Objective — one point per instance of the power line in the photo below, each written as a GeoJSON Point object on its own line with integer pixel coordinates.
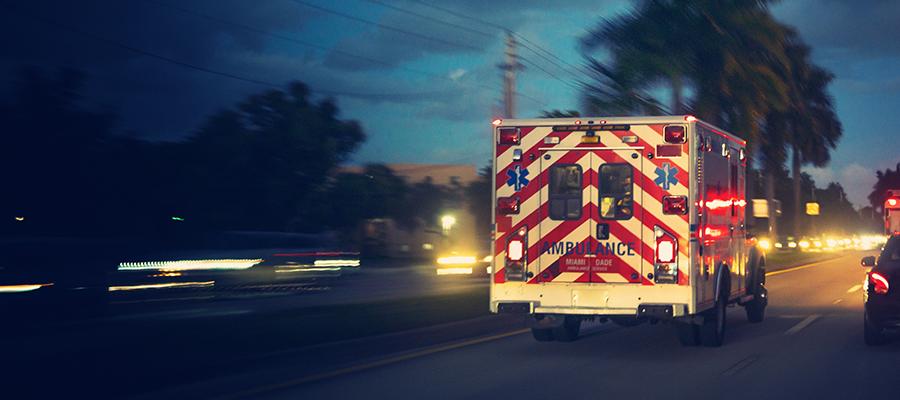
{"type": "Point", "coordinates": [195, 67]}
{"type": "Point", "coordinates": [552, 75]}
{"type": "Point", "coordinates": [390, 28]}
{"type": "Point", "coordinates": [500, 27]}
{"type": "Point", "coordinates": [467, 29]}
{"type": "Point", "coordinates": [432, 19]}
{"type": "Point", "coordinates": [290, 39]}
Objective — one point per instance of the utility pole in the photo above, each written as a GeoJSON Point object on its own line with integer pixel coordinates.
{"type": "Point", "coordinates": [509, 67]}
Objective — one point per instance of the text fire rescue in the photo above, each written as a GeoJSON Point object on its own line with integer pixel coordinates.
{"type": "Point", "coordinates": [603, 248]}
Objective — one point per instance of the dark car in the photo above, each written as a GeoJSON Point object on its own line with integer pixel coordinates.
{"type": "Point", "coordinates": [882, 300]}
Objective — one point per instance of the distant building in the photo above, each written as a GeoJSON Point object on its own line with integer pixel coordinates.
{"type": "Point", "coordinates": [382, 236]}
{"type": "Point", "coordinates": [440, 174]}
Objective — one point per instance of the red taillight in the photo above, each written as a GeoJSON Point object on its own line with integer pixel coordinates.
{"type": "Point", "coordinates": [509, 136]}
{"type": "Point", "coordinates": [879, 283]}
{"type": "Point", "coordinates": [666, 248]}
{"type": "Point", "coordinates": [508, 205]}
{"type": "Point", "coordinates": [666, 266]}
{"type": "Point", "coordinates": [675, 134]}
{"type": "Point", "coordinates": [891, 202]}
{"type": "Point", "coordinates": [516, 255]}
{"type": "Point", "coordinates": [675, 205]}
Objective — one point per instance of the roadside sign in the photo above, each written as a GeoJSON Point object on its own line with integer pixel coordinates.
{"type": "Point", "coordinates": [812, 208]}
{"type": "Point", "coordinates": [760, 208]}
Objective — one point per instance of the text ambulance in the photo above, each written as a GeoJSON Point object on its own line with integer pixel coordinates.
{"type": "Point", "coordinates": [629, 219]}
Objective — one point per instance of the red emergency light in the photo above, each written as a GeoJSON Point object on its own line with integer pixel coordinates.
{"type": "Point", "coordinates": [508, 205]}
{"type": "Point", "coordinates": [675, 134]}
{"type": "Point", "coordinates": [676, 205]}
{"type": "Point", "coordinates": [509, 136]}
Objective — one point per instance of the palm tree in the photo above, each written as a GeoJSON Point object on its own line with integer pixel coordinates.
{"type": "Point", "coordinates": [809, 126]}
{"type": "Point", "coordinates": [731, 53]}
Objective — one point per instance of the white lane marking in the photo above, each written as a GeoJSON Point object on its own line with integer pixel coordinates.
{"type": "Point", "coordinates": [854, 288]}
{"type": "Point", "coordinates": [255, 392]}
{"type": "Point", "coordinates": [802, 324]}
{"type": "Point", "coordinates": [805, 266]}
{"type": "Point", "coordinates": [837, 301]}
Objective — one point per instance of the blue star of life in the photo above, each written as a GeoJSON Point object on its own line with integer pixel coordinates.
{"type": "Point", "coordinates": [666, 176]}
{"type": "Point", "coordinates": [517, 177]}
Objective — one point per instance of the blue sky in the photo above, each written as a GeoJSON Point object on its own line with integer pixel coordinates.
{"type": "Point", "coordinates": [424, 101]}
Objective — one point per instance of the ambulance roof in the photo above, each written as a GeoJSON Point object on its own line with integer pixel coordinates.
{"type": "Point", "coordinates": [664, 119]}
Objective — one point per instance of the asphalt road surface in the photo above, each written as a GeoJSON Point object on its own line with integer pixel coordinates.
{"type": "Point", "coordinates": [809, 346]}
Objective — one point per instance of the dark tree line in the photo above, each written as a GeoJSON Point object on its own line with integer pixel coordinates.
{"type": "Point", "coordinates": [270, 163]}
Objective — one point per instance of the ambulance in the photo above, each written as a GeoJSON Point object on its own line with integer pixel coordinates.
{"type": "Point", "coordinates": [892, 212]}
{"type": "Point", "coordinates": [628, 219]}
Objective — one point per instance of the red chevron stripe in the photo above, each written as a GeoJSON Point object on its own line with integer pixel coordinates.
{"type": "Point", "coordinates": [527, 158]}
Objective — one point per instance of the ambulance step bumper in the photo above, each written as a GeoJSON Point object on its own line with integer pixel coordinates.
{"type": "Point", "coordinates": [658, 311]}
{"type": "Point", "coordinates": [514, 308]}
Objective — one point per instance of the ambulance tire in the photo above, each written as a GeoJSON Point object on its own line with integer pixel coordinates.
{"type": "Point", "coordinates": [568, 331]}
{"type": "Point", "coordinates": [688, 333]}
{"type": "Point", "coordinates": [542, 335]}
{"type": "Point", "coordinates": [712, 332]}
{"type": "Point", "coordinates": [756, 309]}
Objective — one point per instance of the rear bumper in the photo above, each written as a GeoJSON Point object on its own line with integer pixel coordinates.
{"type": "Point", "coordinates": [885, 315]}
{"type": "Point", "coordinates": [650, 311]}
{"type": "Point", "coordinates": [657, 302]}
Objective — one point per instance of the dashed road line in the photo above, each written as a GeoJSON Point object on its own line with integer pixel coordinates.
{"type": "Point", "coordinates": [802, 324]}
{"type": "Point", "coordinates": [362, 367]}
{"type": "Point", "coordinates": [797, 268]}
{"type": "Point", "coordinates": [854, 288]}
{"type": "Point", "coordinates": [740, 365]}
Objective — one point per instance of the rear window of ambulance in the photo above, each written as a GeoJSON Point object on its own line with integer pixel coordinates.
{"type": "Point", "coordinates": [565, 191]}
{"type": "Point", "coordinates": [616, 191]}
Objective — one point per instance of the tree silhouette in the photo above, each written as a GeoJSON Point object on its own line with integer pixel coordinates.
{"type": "Point", "coordinates": [887, 179]}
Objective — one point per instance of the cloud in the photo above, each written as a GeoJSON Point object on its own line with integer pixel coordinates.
{"type": "Point", "coordinates": [856, 179]}
{"type": "Point", "coordinates": [456, 74]}
{"type": "Point", "coordinates": [862, 27]}
{"type": "Point", "coordinates": [470, 27]}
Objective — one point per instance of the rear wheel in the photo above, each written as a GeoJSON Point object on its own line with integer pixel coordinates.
{"type": "Point", "coordinates": [872, 333]}
{"type": "Point", "coordinates": [568, 331]}
{"type": "Point", "coordinates": [688, 333]}
{"type": "Point", "coordinates": [712, 332]}
{"type": "Point", "coordinates": [542, 334]}
{"type": "Point", "coordinates": [756, 309]}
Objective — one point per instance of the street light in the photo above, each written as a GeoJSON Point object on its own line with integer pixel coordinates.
{"type": "Point", "coordinates": [447, 223]}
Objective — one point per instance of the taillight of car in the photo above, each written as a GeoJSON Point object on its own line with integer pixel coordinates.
{"type": "Point", "coordinates": [675, 134]}
{"type": "Point", "coordinates": [509, 136]}
{"type": "Point", "coordinates": [516, 255]}
{"type": "Point", "coordinates": [508, 205]}
{"type": "Point", "coordinates": [666, 268]}
{"type": "Point", "coordinates": [675, 205]}
{"type": "Point", "coordinates": [879, 283]}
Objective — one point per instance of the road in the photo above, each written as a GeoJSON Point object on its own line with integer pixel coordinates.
{"type": "Point", "coordinates": [809, 346]}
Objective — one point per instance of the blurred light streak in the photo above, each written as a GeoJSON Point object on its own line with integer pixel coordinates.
{"type": "Point", "coordinates": [161, 286]}
{"type": "Point", "coordinates": [456, 260]}
{"type": "Point", "coordinates": [454, 271]}
{"type": "Point", "coordinates": [190, 265]}
{"type": "Point", "coordinates": [22, 288]}
{"type": "Point", "coordinates": [336, 263]}
{"type": "Point", "coordinates": [306, 269]}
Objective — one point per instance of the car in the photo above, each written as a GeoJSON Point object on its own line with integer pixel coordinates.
{"type": "Point", "coordinates": [882, 302]}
